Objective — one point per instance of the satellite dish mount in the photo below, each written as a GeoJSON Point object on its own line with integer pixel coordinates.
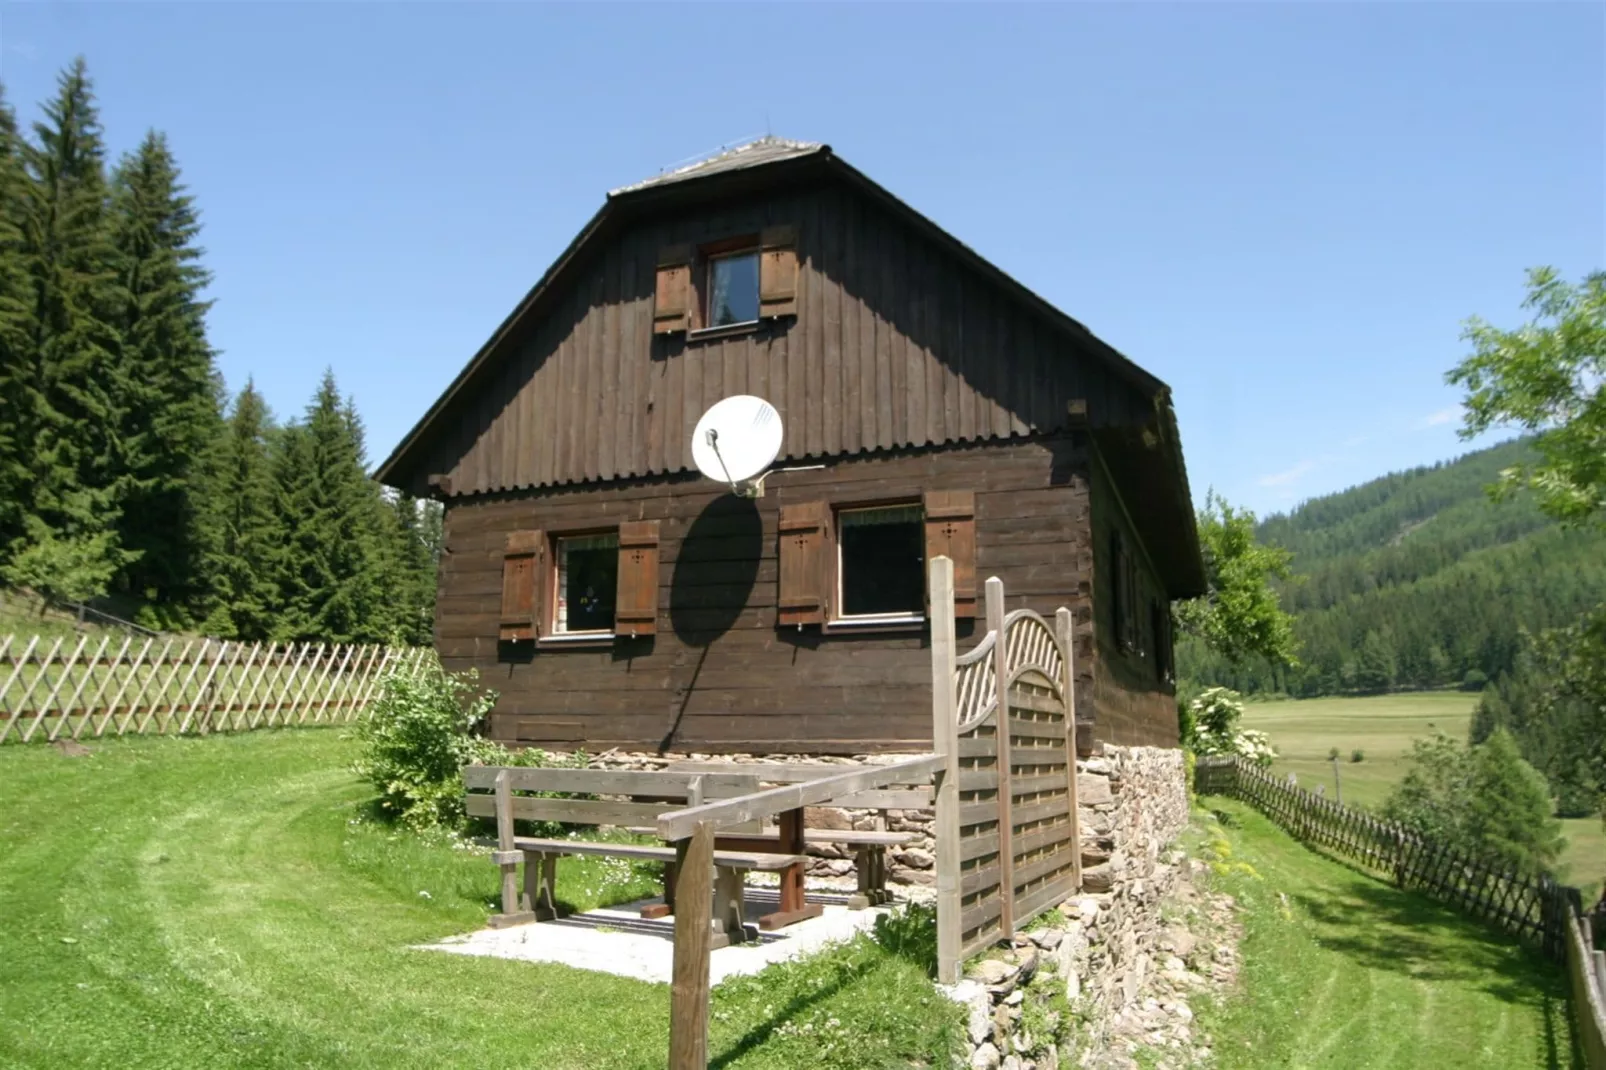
{"type": "Point", "coordinates": [735, 443]}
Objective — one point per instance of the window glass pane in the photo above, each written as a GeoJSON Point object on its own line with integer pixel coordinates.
{"type": "Point", "coordinates": [883, 557]}
{"type": "Point", "coordinates": [588, 575]}
{"type": "Point", "coordinates": [733, 289]}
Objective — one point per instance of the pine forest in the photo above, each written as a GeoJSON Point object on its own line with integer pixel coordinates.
{"type": "Point", "coordinates": [128, 475]}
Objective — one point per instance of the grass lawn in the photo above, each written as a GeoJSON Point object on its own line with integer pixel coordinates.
{"type": "Point", "coordinates": [224, 902]}
{"type": "Point", "coordinates": [1340, 970]}
{"type": "Point", "coordinates": [1383, 726]}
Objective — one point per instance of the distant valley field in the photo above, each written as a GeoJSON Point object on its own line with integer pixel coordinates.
{"type": "Point", "coordinates": [1382, 727]}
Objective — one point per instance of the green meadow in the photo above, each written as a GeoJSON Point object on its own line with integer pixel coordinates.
{"type": "Point", "coordinates": [1382, 727]}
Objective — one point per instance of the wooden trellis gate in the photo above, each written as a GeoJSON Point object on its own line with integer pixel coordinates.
{"type": "Point", "coordinates": [1004, 719]}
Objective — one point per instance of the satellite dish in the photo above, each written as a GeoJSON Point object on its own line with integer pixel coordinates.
{"type": "Point", "coordinates": [736, 441]}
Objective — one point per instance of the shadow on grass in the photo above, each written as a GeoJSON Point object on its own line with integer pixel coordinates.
{"type": "Point", "coordinates": [759, 1034]}
{"type": "Point", "coordinates": [1384, 928]}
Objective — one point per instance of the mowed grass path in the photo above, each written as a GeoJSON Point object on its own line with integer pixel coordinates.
{"type": "Point", "coordinates": [1340, 970]}
{"type": "Point", "coordinates": [1383, 726]}
{"type": "Point", "coordinates": [220, 902]}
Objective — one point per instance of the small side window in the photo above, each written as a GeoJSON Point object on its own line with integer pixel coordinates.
{"type": "Point", "coordinates": [732, 289]}
{"type": "Point", "coordinates": [881, 571]}
{"type": "Point", "coordinates": [586, 583]}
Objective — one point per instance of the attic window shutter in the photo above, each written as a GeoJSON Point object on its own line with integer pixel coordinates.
{"type": "Point", "coordinates": [523, 570]}
{"type": "Point", "coordinates": [805, 564]}
{"type": "Point", "coordinates": [672, 295]}
{"type": "Point", "coordinates": [777, 272]}
{"type": "Point", "coordinates": [951, 532]}
{"type": "Point", "coordinates": [636, 605]}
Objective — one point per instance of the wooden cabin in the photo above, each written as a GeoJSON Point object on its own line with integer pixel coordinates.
{"type": "Point", "coordinates": [614, 597]}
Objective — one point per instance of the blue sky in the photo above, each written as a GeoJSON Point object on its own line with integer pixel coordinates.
{"type": "Point", "coordinates": [1283, 210]}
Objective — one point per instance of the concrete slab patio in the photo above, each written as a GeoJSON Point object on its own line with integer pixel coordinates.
{"type": "Point", "coordinates": [619, 941]}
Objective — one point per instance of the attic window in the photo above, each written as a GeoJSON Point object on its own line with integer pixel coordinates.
{"type": "Point", "coordinates": [732, 289]}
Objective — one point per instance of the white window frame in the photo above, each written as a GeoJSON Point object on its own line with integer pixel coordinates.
{"type": "Point", "coordinates": [562, 544]}
{"type": "Point", "coordinates": [758, 288]}
{"type": "Point", "coordinates": [916, 513]}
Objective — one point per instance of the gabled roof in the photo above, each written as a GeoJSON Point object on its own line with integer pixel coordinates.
{"type": "Point", "coordinates": [760, 164]}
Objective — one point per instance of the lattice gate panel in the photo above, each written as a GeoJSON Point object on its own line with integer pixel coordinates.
{"type": "Point", "coordinates": [1043, 834]}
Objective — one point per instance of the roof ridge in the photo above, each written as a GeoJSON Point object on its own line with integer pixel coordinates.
{"type": "Point", "coordinates": [766, 148]}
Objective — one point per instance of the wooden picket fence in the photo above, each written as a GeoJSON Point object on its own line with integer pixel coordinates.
{"type": "Point", "coordinates": [124, 684]}
{"type": "Point", "coordinates": [1536, 909]}
{"type": "Point", "coordinates": [1003, 718]}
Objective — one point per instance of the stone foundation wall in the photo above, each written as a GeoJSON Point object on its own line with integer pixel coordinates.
{"type": "Point", "coordinates": [1110, 947]}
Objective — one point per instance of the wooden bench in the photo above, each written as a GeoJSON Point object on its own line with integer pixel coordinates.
{"type": "Point", "coordinates": [870, 859]}
{"type": "Point", "coordinates": [540, 856]}
{"type": "Point", "coordinates": [869, 854]}
{"type": "Point", "coordinates": [489, 791]}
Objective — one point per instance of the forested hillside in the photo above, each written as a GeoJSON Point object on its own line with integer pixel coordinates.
{"type": "Point", "coordinates": [1417, 579]}
{"type": "Point", "coordinates": [125, 468]}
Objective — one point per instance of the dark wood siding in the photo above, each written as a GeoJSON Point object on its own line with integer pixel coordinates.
{"type": "Point", "coordinates": [719, 675]}
{"type": "Point", "coordinates": [1133, 705]}
{"type": "Point", "coordinates": [896, 343]}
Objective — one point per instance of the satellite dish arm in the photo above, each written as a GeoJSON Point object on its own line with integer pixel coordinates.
{"type": "Point", "coordinates": [713, 444]}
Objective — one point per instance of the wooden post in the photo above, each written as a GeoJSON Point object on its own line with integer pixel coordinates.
{"type": "Point", "coordinates": [688, 992]}
{"type": "Point", "coordinates": [1338, 783]}
{"type": "Point", "coordinates": [1006, 800]}
{"type": "Point", "coordinates": [1064, 632]}
{"type": "Point", "coordinates": [945, 742]}
{"type": "Point", "coordinates": [507, 856]}
{"type": "Point", "coordinates": [504, 842]}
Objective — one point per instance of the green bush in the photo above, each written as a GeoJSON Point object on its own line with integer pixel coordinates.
{"type": "Point", "coordinates": [1357, 755]}
{"type": "Point", "coordinates": [1332, 754]}
{"type": "Point", "coordinates": [416, 738]}
{"type": "Point", "coordinates": [1474, 680]}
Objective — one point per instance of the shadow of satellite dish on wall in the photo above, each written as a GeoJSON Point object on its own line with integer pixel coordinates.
{"type": "Point", "coordinates": [716, 570]}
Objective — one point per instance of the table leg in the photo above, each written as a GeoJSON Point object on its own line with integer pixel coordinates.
{"type": "Point", "coordinates": [793, 906]}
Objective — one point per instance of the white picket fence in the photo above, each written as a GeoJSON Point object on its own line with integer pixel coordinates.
{"type": "Point", "coordinates": [120, 685]}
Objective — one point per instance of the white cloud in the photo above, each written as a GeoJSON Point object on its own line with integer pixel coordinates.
{"type": "Point", "coordinates": [1283, 479]}
{"type": "Point", "coordinates": [1438, 419]}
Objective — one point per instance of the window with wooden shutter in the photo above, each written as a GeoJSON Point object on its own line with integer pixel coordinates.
{"type": "Point", "coordinates": [777, 272]}
{"type": "Point", "coordinates": [523, 582]}
{"type": "Point", "coordinates": [805, 564]}
{"type": "Point", "coordinates": [636, 606]}
{"type": "Point", "coordinates": [951, 532]}
{"type": "Point", "coordinates": [672, 295]}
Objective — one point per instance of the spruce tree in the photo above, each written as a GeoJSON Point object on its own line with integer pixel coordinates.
{"type": "Point", "coordinates": [169, 414]}
{"type": "Point", "coordinates": [16, 332]}
{"type": "Point", "coordinates": [67, 397]}
{"type": "Point", "coordinates": [331, 560]}
{"type": "Point", "coordinates": [414, 541]}
{"type": "Point", "coordinates": [244, 529]}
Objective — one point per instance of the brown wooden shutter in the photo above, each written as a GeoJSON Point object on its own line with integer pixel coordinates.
{"type": "Point", "coordinates": [805, 564]}
{"type": "Point", "coordinates": [523, 583]}
{"type": "Point", "coordinates": [951, 531]}
{"type": "Point", "coordinates": [673, 293]}
{"type": "Point", "coordinates": [636, 601]}
{"type": "Point", "coordinates": [777, 272]}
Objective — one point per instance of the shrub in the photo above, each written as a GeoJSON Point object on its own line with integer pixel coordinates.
{"type": "Point", "coordinates": [416, 738]}
{"type": "Point", "coordinates": [1483, 800]}
{"type": "Point", "coordinates": [1474, 680]}
{"type": "Point", "coordinates": [1357, 755]}
{"type": "Point", "coordinates": [1215, 715]}
{"type": "Point", "coordinates": [1332, 754]}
